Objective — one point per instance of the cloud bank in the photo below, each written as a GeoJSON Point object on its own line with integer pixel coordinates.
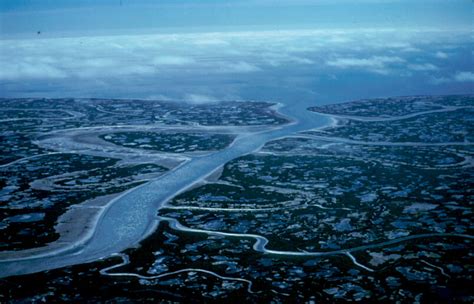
{"type": "Point", "coordinates": [464, 77]}
{"type": "Point", "coordinates": [376, 64]}
{"type": "Point", "coordinates": [197, 61]}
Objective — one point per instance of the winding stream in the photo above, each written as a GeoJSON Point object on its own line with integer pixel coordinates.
{"type": "Point", "coordinates": [132, 217]}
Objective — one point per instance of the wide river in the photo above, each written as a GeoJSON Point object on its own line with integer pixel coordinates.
{"type": "Point", "coordinates": [133, 216]}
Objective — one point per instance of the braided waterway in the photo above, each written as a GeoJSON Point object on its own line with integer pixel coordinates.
{"type": "Point", "coordinates": [131, 217]}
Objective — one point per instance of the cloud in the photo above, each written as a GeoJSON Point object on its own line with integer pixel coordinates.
{"type": "Point", "coordinates": [401, 46]}
{"type": "Point", "coordinates": [237, 67]}
{"type": "Point", "coordinates": [423, 67]}
{"type": "Point", "coordinates": [464, 77]}
{"type": "Point", "coordinates": [97, 62]}
{"type": "Point", "coordinates": [29, 70]}
{"type": "Point", "coordinates": [172, 60]}
{"type": "Point", "coordinates": [441, 55]}
{"type": "Point", "coordinates": [108, 71]}
{"type": "Point", "coordinates": [199, 99]}
{"type": "Point", "coordinates": [376, 64]}
{"type": "Point", "coordinates": [210, 41]}
{"type": "Point", "coordinates": [151, 64]}
{"type": "Point", "coordinates": [278, 59]}
{"type": "Point", "coordinates": [301, 60]}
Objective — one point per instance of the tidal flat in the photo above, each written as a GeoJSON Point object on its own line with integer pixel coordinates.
{"type": "Point", "coordinates": [376, 206]}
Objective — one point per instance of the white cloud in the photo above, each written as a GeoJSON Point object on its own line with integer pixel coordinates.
{"type": "Point", "coordinates": [441, 55]}
{"type": "Point", "coordinates": [29, 70]}
{"type": "Point", "coordinates": [464, 77]}
{"type": "Point", "coordinates": [142, 60]}
{"type": "Point", "coordinates": [278, 59]}
{"type": "Point", "coordinates": [376, 64]}
{"type": "Point", "coordinates": [302, 60]}
{"type": "Point", "coordinates": [97, 62]}
{"type": "Point", "coordinates": [423, 67]}
{"type": "Point", "coordinates": [107, 71]}
{"type": "Point", "coordinates": [172, 60]}
{"type": "Point", "coordinates": [199, 99]}
{"type": "Point", "coordinates": [238, 67]}
{"type": "Point", "coordinates": [210, 41]}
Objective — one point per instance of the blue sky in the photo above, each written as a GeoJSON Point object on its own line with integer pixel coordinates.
{"type": "Point", "coordinates": [78, 17]}
{"type": "Point", "coordinates": [205, 51]}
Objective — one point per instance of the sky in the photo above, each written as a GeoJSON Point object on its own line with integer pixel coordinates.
{"type": "Point", "coordinates": [206, 51]}
{"type": "Point", "coordinates": [67, 17]}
